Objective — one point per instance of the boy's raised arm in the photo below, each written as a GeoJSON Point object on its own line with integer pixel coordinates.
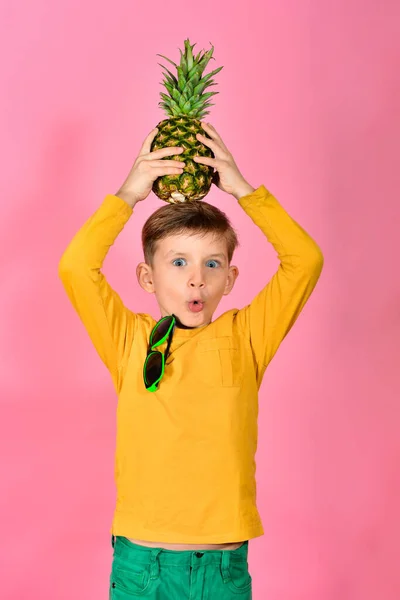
{"type": "Point", "coordinates": [272, 313]}
{"type": "Point", "coordinates": [270, 316]}
{"type": "Point", "coordinates": [108, 322]}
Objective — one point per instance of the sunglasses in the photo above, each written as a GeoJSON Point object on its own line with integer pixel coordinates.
{"type": "Point", "coordinates": [154, 365]}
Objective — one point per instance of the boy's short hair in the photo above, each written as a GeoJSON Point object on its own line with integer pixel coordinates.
{"type": "Point", "coordinates": [196, 217]}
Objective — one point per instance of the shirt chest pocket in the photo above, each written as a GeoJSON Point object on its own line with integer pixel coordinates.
{"type": "Point", "coordinates": [218, 362]}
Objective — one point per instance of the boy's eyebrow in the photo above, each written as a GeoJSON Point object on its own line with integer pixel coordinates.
{"type": "Point", "coordinates": [219, 254]}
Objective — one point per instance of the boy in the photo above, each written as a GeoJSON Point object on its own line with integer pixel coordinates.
{"type": "Point", "coordinates": [187, 420]}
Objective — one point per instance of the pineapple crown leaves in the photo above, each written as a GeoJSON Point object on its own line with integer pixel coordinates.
{"type": "Point", "coordinates": [186, 91]}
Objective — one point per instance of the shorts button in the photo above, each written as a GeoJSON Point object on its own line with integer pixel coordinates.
{"type": "Point", "coordinates": [199, 554]}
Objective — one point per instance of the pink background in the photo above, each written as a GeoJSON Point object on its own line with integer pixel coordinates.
{"type": "Point", "coordinates": [308, 105]}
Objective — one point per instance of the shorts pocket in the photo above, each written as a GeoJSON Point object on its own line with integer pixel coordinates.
{"type": "Point", "coordinates": [129, 582]}
{"type": "Point", "coordinates": [240, 581]}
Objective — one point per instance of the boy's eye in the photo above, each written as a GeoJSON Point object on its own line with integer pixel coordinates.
{"type": "Point", "coordinates": [182, 259]}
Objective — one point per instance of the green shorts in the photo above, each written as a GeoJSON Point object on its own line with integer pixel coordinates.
{"type": "Point", "coordinates": [159, 574]}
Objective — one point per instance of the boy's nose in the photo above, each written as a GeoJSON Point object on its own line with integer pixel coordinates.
{"type": "Point", "coordinates": [197, 281]}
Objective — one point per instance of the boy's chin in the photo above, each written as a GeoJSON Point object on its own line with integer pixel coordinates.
{"type": "Point", "coordinates": [190, 320]}
{"type": "Point", "coordinates": [185, 322]}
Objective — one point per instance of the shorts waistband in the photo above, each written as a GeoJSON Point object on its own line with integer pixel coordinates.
{"type": "Point", "coordinates": [125, 549]}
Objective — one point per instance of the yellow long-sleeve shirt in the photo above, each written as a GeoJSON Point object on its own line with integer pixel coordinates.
{"type": "Point", "coordinates": [185, 454]}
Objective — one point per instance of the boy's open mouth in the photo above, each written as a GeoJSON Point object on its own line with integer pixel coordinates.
{"type": "Point", "coordinates": [196, 306]}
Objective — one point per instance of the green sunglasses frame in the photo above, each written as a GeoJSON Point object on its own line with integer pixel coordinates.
{"type": "Point", "coordinates": [154, 386]}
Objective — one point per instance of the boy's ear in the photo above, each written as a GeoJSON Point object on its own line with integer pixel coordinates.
{"type": "Point", "coordinates": [144, 276]}
{"type": "Point", "coordinates": [233, 274]}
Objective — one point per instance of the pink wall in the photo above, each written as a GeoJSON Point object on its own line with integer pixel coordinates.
{"type": "Point", "coordinates": [307, 106]}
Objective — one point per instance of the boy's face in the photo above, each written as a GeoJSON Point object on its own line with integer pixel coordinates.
{"type": "Point", "coordinates": [188, 267]}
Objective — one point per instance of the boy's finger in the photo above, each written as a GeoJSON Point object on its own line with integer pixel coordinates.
{"type": "Point", "coordinates": [212, 132]}
{"type": "Point", "coordinates": [169, 151]}
{"type": "Point", "coordinates": [207, 142]}
{"type": "Point", "coordinates": [209, 129]}
{"type": "Point", "coordinates": [204, 160]}
{"type": "Point", "coordinates": [145, 149]}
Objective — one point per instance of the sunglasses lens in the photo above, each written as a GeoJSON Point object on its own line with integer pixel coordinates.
{"type": "Point", "coordinates": [161, 330]}
{"type": "Point", "coordinates": [153, 367]}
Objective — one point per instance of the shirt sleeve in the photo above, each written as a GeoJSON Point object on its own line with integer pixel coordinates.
{"type": "Point", "coordinates": [109, 323]}
{"type": "Point", "coordinates": [270, 316]}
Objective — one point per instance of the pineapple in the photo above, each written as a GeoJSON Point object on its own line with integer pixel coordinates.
{"type": "Point", "coordinates": [185, 105]}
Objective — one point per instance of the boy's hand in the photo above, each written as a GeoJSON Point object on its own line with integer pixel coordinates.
{"type": "Point", "coordinates": [227, 176]}
{"type": "Point", "coordinates": [146, 168]}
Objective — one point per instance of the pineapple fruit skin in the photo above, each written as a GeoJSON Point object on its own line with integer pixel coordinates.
{"type": "Point", "coordinates": [196, 180]}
